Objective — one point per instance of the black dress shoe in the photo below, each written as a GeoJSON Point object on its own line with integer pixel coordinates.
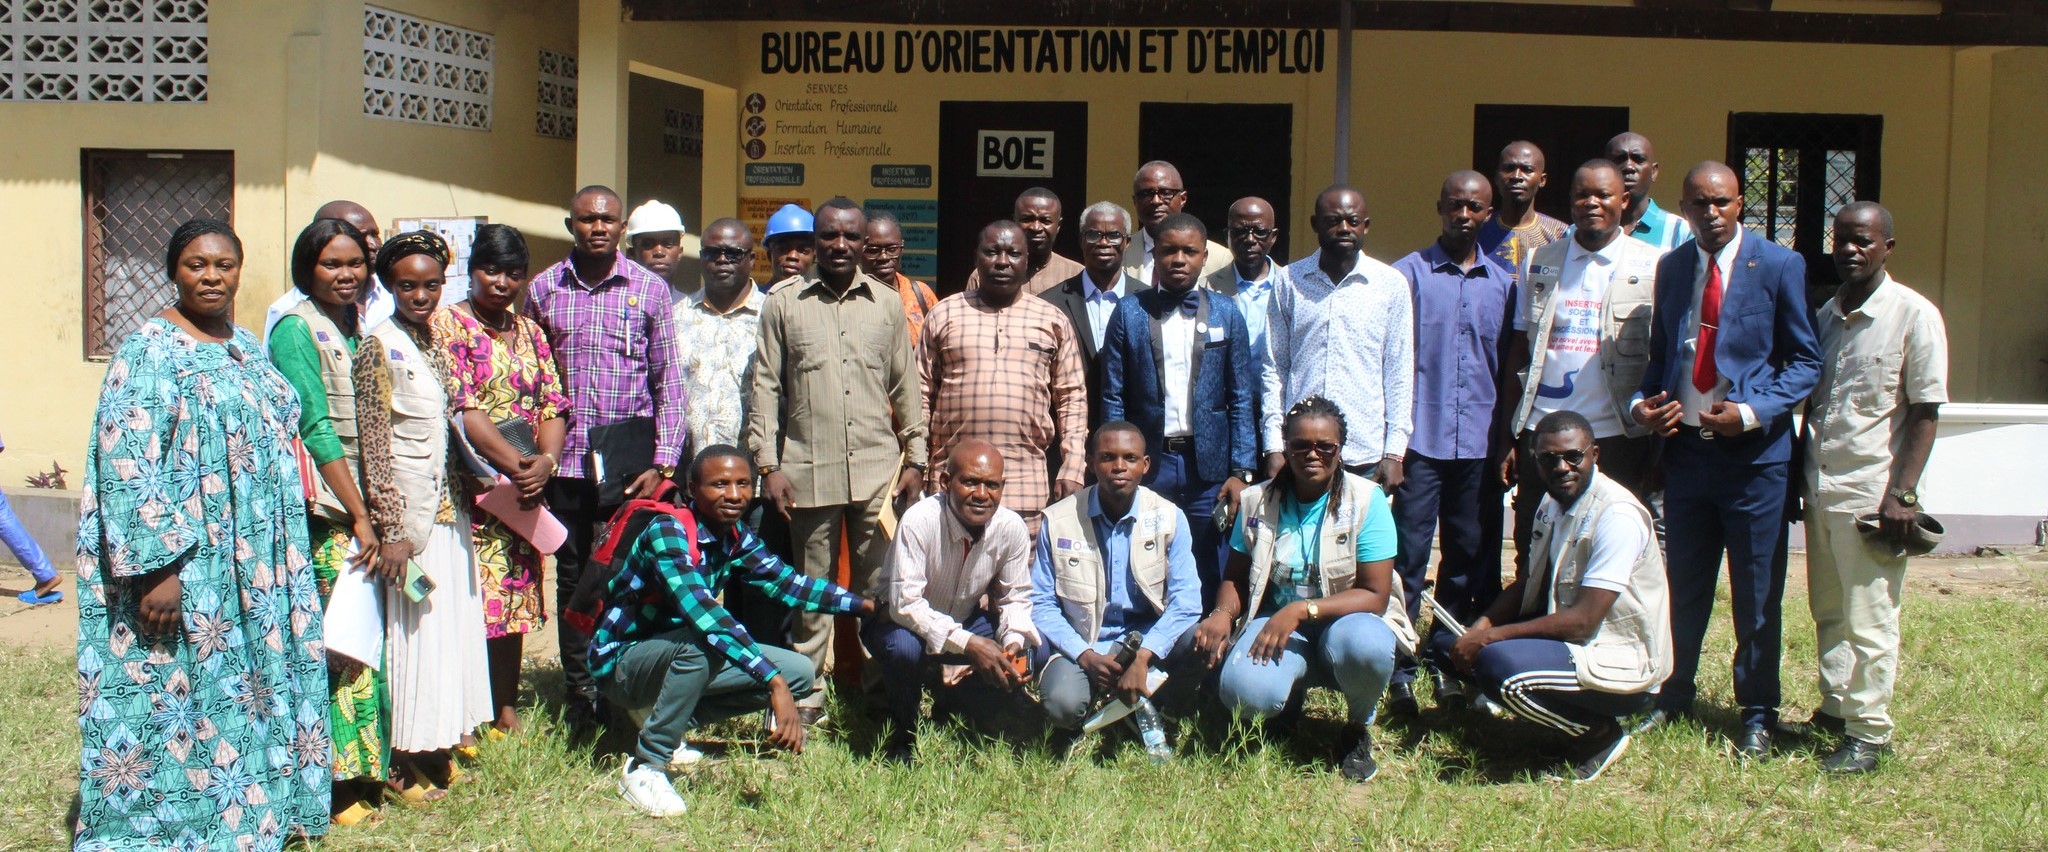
{"type": "Point", "coordinates": [1653, 720]}
{"type": "Point", "coordinates": [901, 748]}
{"type": "Point", "coordinates": [1853, 756]}
{"type": "Point", "coordinates": [1754, 743]}
{"type": "Point", "coordinates": [1451, 692]}
{"type": "Point", "coordinates": [1401, 700]}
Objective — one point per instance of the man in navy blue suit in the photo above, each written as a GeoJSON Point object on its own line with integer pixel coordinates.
{"type": "Point", "coordinates": [1177, 361]}
{"type": "Point", "coordinates": [1731, 353]}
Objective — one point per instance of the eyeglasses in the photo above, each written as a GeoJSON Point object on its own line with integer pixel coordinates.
{"type": "Point", "coordinates": [1571, 458]}
{"type": "Point", "coordinates": [725, 253]}
{"type": "Point", "coordinates": [1158, 194]}
{"type": "Point", "coordinates": [1302, 447]}
{"type": "Point", "coordinates": [1105, 237]}
{"type": "Point", "coordinates": [1253, 232]}
{"type": "Point", "coordinates": [882, 251]}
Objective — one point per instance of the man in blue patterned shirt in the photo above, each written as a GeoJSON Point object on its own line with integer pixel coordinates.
{"type": "Point", "coordinates": [667, 646]}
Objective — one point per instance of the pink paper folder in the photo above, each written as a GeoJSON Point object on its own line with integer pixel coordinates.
{"type": "Point", "coordinates": [537, 525]}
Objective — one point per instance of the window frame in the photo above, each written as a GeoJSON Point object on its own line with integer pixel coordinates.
{"type": "Point", "coordinates": [1812, 135]}
{"type": "Point", "coordinates": [92, 195]}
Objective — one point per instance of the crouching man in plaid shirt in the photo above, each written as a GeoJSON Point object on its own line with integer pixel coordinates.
{"type": "Point", "coordinates": [666, 646]}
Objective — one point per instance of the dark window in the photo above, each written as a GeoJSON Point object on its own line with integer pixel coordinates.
{"type": "Point", "coordinates": [1798, 171]}
{"type": "Point", "coordinates": [1224, 152]}
{"type": "Point", "coordinates": [133, 200]}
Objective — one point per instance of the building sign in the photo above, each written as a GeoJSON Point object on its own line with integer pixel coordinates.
{"type": "Point", "coordinates": [899, 176]}
{"type": "Point", "coordinates": [907, 211]}
{"type": "Point", "coordinates": [1147, 50]}
{"type": "Point", "coordinates": [775, 174]}
{"type": "Point", "coordinates": [1013, 153]}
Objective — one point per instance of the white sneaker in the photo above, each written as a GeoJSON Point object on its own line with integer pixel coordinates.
{"type": "Point", "coordinates": [647, 788]}
{"type": "Point", "coordinates": [685, 757]}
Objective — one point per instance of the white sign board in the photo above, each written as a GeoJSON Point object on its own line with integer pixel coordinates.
{"type": "Point", "coordinates": [1013, 153]}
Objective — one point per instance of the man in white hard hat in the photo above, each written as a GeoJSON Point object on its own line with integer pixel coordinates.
{"type": "Point", "coordinates": [654, 239]}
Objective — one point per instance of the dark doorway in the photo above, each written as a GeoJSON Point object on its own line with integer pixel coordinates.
{"type": "Point", "coordinates": [1568, 136]}
{"type": "Point", "coordinates": [989, 151]}
{"type": "Point", "coordinates": [1224, 152]}
{"type": "Point", "coordinates": [1798, 171]}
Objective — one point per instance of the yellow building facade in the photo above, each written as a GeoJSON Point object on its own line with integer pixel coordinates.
{"type": "Point", "coordinates": [731, 117]}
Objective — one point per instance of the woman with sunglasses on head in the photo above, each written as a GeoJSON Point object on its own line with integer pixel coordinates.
{"type": "Point", "coordinates": [313, 346]}
{"type": "Point", "coordinates": [433, 610]}
{"type": "Point", "coordinates": [511, 405]}
{"type": "Point", "coordinates": [1310, 588]}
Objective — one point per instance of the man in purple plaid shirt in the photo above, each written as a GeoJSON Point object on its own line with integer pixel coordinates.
{"type": "Point", "coordinates": [614, 337]}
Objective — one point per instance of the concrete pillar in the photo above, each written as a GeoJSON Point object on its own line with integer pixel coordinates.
{"type": "Point", "coordinates": [1961, 290]}
{"type": "Point", "coordinates": [601, 94]}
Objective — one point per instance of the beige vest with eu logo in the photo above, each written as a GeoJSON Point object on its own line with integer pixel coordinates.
{"type": "Point", "coordinates": [1336, 552]}
{"type": "Point", "coordinates": [1624, 319]}
{"type": "Point", "coordinates": [1631, 650]}
{"type": "Point", "coordinates": [419, 428]}
{"type": "Point", "coordinates": [337, 377]}
{"type": "Point", "coordinates": [1077, 561]}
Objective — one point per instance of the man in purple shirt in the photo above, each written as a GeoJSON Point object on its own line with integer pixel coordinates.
{"type": "Point", "coordinates": [1464, 303]}
{"type": "Point", "coordinates": [614, 337]}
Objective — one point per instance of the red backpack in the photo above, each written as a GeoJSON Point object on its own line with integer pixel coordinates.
{"type": "Point", "coordinates": [614, 542]}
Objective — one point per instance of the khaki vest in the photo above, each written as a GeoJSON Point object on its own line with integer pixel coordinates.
{"type": "Point", "coordinates": [1631, 650]}
{"type": "Point", "coordinates": [1337, 563]}
{"type": "Point", "coordinates": [337, 377]}
{"type": "Point", "coordinates": [1078, 568]}
{"type": "Point", "coordinates": [419, 428]}
{"type": "Point", "coordinates": [1625, 321]}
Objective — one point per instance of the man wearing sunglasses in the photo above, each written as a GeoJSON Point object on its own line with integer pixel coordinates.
{"type": "Point", "coordinates": [1156, 193]}
{"type": "Point", "coordinates": [1252, 275]}
{"type": "Point", "coordinates": [722, 322]}
{"type": "Point", "coordinates": [1580, 640]}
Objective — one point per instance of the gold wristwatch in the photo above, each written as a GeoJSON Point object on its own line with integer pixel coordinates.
{"type": "Point", "coordinates": [1313, 611]}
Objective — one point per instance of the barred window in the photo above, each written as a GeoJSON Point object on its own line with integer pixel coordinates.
{"type": "Point", "coordinates": [133, 200]}
{"type": "Point", "coordinates": [96, 51]}
{"type": "Point", "coordinates": [1798, 171]}
{"type": "Point", "coordinates": [555, 110]}
{"type": "Point", "coordinates": [426, 71]}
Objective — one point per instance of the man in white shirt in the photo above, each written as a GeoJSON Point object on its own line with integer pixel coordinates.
{"type": "Point", "coordinates": [1156, 193]}
{"type": "Point", "coordinates": [1582, 341]}
{"type": "Point", "coordinates": [1345, 330]}
{"type": "Point", "coordinates": [1090, 297]}
{"type": "Point", "coordinates": [375, 302]}
{"type": "Point", "coordinates": [952, 549]}
{"type": "Point", "coordinates": [1869, 429]}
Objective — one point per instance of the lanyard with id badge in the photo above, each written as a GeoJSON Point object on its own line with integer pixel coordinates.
{"type": "Point", "coordinates": [1303, 580]}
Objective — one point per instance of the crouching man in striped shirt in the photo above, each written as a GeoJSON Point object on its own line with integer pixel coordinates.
{"type": "Point", "coordinates": [1583, 638]}
{"type": "Point", "coordinates": [667, 648]}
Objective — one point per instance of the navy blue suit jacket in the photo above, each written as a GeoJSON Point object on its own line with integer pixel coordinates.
{"type": "Point", "coordinates": [1765, 346]}
{"type": "Point", "coordinates": [1222, 386]}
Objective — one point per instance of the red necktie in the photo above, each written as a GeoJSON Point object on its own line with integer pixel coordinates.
{"type": "Point", "coordinates": [1704, 376]}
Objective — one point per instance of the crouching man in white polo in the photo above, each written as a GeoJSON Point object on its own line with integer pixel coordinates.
{"type": "Point", "coordinates": [1583, 638]}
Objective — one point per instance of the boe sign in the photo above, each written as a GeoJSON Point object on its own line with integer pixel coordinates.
{"type": "Point", "coordinates": [1014, 153]}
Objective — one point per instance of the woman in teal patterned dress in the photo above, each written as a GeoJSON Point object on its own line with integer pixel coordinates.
{"type": "Point", "coordinates": [201, 675]}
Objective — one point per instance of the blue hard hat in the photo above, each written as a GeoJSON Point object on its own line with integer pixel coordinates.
{"type": "Point", "coordinates": [789, 219]}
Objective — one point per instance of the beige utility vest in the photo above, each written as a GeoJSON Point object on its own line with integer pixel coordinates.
{"type": "Point", "coordinates": [1336, 552]}
{"type": "Point", "coordinates": [419, 428]}
{"type": "Point", "coordinates": [1624, 318]}
{"type": "Point", "coordinates": [337, 377]}
{"type": "Point", "coordinates": [1078, 566]}
{"type": "Point", "coordinates": [1631, 650]}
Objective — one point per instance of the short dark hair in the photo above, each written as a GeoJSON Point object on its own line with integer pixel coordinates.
{"type": "Point", "coordinates": [1113, 426]}
{"type": "Point", "coordinates": [1561, 422]}
{"type": "Point", "coordinates": [1599, 164]}
{"type": "Point", "coordinates": [313, 240]}
{"type": "Point", "coordinates": [191, 230]}
{"type": "Point", "coordinates": [1039, 192]}
{"type": "Point", "coordinates": [837, 202]}
{"type": "Point", "coordinates": [595, 189]}
{"type": "Point", "coordinates": [714, 452]}
{"type": "Point", "coordinates": [875, 215]}
{"type": "Point", "coordinates": [1884, 217]}
{"type": "Point", "coordinates": [499, 246]}
{"type": "Point", "coordinates": [1181, 222]}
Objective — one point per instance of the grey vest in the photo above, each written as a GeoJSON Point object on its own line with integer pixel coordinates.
{"type": "Point", "coordinates": [1624, 319]}
{"type": "Point", "coordinates": [419, 428]}
{"type": "Point", "coordinates": [1336, 553]}
{"type": "Point", "coordinates": [1077, 560]}
{"type": "Point", "coordinates": [337, 378]}
{"type": "Point", "coordinates": [1631, 651]}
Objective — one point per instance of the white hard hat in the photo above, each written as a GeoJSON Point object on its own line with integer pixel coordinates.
{"type": "Point", "coordinates": [653, 217]}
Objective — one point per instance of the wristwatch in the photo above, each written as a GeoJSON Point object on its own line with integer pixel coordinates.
{"type": "Point", "coordinates": [1907, 497]}
{"type": "Point", "coordinates": [668, 471]}
{"type": "Point", "coordinates": [1313, 611]}
{"type": "Point", "coordinates": [1246, 474]}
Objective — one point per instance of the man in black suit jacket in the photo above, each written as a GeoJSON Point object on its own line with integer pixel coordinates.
{"type": "Point", "coordinates": [1090, 298]}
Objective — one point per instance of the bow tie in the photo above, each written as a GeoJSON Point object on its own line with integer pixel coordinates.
{"type": "Point", "coordinates": [1188, 303]}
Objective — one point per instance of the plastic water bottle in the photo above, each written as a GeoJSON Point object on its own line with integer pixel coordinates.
{"type": "Point", "coordinates": [1152, 731]}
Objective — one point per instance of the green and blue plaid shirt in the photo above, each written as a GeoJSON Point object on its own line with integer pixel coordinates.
{"type": "Point", "coordinates": [657, 590]}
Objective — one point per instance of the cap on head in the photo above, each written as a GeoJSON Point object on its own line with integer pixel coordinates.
{"type": "Point", "coordinates": [653, 217]}
{"type": "Point", "coordinates": [790, 219]}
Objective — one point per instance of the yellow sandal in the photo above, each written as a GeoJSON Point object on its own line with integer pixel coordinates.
{"type": "Point", "coordinates": [355, 814]}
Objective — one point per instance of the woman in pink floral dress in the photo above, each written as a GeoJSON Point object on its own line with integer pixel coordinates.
{"type": "Point", "coordinates": [512, 404]}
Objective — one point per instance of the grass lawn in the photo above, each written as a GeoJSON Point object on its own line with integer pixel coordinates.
{"type": "Point", "coordinates": [1970, 771]}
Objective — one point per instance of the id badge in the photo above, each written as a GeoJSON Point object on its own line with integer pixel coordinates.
{"type": "Point", "coordinates": [1305, 592]}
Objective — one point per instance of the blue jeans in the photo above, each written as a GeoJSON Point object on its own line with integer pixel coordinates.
{"type": "Point", "coordinates": [26, 551]}
{"type": "Point", "coordinates": [1354, 653]}
{"type": "Point", "coordinates": [1176, 477]}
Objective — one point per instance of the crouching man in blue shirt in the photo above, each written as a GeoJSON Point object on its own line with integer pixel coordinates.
{"type": "Point", "coordinates": [1114, 558]}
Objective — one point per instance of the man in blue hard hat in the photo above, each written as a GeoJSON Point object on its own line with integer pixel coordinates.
{"type": "Point", "coordinates": [791, 245]}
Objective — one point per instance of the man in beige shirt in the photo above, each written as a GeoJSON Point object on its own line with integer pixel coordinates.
{"type": "Point", "coordinates": [953, 550]}
{"type": "Point", "coordinates": [1870, 426]}
{"type": "Point", "coordinates": [1039, 213]}
{"type": "Point", "coordinates": [835, 417]}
